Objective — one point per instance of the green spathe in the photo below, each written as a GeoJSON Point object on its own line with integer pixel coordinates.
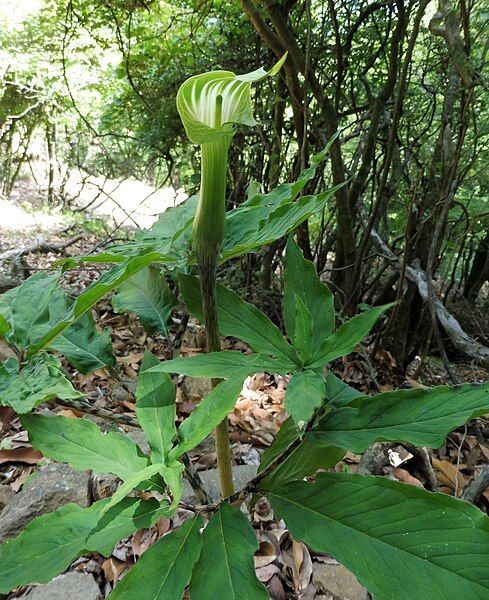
{"type": "Point", "coordinates": [210, 103]}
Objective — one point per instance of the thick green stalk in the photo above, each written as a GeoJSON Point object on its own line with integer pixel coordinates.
{"type": "Point", "coordinates": [209, 226]}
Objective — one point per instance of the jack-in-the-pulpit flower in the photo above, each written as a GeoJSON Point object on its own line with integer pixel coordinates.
{"type": "Point", "coordinates": [210, 106]}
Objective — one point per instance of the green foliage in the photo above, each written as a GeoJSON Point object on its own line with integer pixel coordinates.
{"type": "Point", "coordinates": [86, 348]}
{"type": "Point", "coordinates": [148, 295]}
{"type": "Point", "coordinates": [303, 284]}
{"type": "Point", "coordinates": [165, 568]}
{"type": "Point", "coordinates": [347, 336]}
{"type": "Point", "coordinates": [39, 380]}
{"type": "Point", "coordinates": [207, 415]}
{"type": "Point", "coordinates": [26, 325]}
{"type": "Point", "coordinates": [302, 461]}
{"type": "Point", "coordinates": [229, 541]}
{"type": "Point", "coordinates": [83, 445]}
{"type": "Point", "coordinates": [240, 319]}
{"type": "Point", "coordinates": [155, 408]}
{"type": "Point", "coordinates": [399, 540]}
{"type": "Point", "coordinates": [422, 417]}
{"type": "Point", "coordinates": [48, 544]}
{"type": "Point", "coordinates": [106, 283]}
{"type": "Point", "coordinates": [305, 393]}
{"type": "Point", "coordinates": [221, 364]}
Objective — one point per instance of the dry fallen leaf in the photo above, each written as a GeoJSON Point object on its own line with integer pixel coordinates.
{"type": "Point", "coordinates": [398, 455]}
{"type": "Point", "coordinates": [276, 588]}
{"type": "Point", "coordinates": [406, 477]}
{"type": "Point", "coordinates": [112, 568]}
{"type": "Point", "coordinates": [7, 415]}
{"type": "Point", "coordinates": [449, 476]}
{"type": "Point", "coordinates": [265, 573]}
{"type": "Point", "coordinates": [26, 455]}
{"type": "Point", "coordinates": [21, 479]}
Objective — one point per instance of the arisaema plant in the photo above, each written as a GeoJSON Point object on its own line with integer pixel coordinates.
{"type": "Point", "coordinates": [402, 542]}
{"type": "Point", "coordinates": [211, 105]}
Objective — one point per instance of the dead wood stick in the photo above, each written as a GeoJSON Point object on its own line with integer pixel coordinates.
{"type": "Point", "coordinates": [459, 338]}
{"type": "Point", "coordinates": [473, 492]}
{"type": "Point", "coordinates": [40, 244]}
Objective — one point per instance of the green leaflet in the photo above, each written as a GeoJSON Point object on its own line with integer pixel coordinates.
{"type": "Point", "coordinates": [221, 364]}
{"type": "Point", "coordinates": [86, 349]}
{"type": "Point", "coordinates": [400, 541]}
{"type": "Point", "coordinates": [305, 393]}
{"type": "Point", "coordinates": [339, 393]}
{"type": "Point", "coordinates": [81, 444]}
{"type": "Point", "coordinates": [107, 282]}
{"type": "Point", "coordinates": [303, 330]}
{"type": "Point", "coordinates": [164, 570]}
{"type": "Point", "coordinates": [302, 280]}
{"type": "Point", "coordinates": [171, 223]}
{"type": "Point", "coordinates": [26, 309]}
{"type": "Point", "coordinates": [48, 544]}
{"type": "Point", "coordinates": [155, 407]}
{"type": "Point", "coordinates": [207, 415]}
{"type": "Point", "coordinates": [130, 484]}
{"type": "Point", "coordinates": [148, 296]}
{"type": "Point", "coordinates": [225, 568]}
{"type": "Point", "coordinates": [242, 320]}
{"type": "Point", "coordinates": [40, 380]}
{"type": "Point", "coordinates": [274, 224]}
{"type": "Point", "coordinates": [346, 337]}
{"type": "Point", "coordinates": [419, 416]}
{"type": "Point", "coordinates": [82, 344]}
{"type": "Point", "coordinates": [305, 460]}
{"type": "Point", "coordinates": [4, 326]}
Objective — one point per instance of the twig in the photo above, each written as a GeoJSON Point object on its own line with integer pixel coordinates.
{"type": "Point", "coordinates": [39, 245]}
{"type": "Point", "coordinates": [474, 491]}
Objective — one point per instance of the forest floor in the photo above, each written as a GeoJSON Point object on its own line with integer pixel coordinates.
{"type": "Point", "coordinates": [289, 570]}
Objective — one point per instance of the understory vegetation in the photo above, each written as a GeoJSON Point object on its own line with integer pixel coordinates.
{"type": "Point", "coordinates": [311, 298]}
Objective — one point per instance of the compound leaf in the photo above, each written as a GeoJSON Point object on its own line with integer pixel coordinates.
{"type": "Point", "coordinates": [240, 319]}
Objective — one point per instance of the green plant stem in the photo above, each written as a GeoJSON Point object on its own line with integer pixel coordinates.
{"type": "Point", "coordinates": [209, 226]}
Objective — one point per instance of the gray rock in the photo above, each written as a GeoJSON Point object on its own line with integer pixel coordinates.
{"type": "Point", "coordinates": [338, 581]}
{"type": "Point", "coordinates": [6, 494]}
{"type": "Point", "coordinates": [70, 586]}
{"type": "Point", "coordinates": [210, 478]}
{"type": "Point", "coordinates": [138, 436]}
{"type": "Point", "coordinates": [54, 486]}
